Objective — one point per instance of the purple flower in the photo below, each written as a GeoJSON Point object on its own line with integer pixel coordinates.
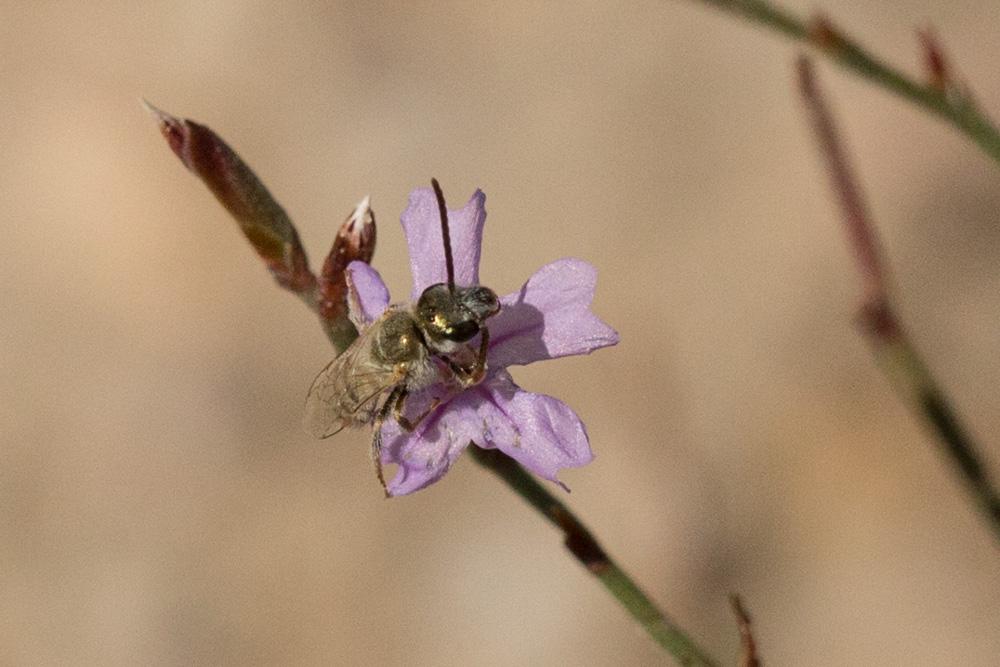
{"type": "Point", "coordinates": [548, 317]}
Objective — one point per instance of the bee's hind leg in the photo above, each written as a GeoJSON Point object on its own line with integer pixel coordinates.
{"type": "Point", "coordinates": [388, 406]}
{"type": "Point", "coordinates": [397, 411]}
{"type": "Point", "coordinates": [377, 456]}
{"type": "Point", "coordinates": [393, 405]}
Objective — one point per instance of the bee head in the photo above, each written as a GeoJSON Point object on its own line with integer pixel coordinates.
{"type": "Point", "coordinates": [450, 315]}
{"type": "Point", "coordinates": [454, 314]}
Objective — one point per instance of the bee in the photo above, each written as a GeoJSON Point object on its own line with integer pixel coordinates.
{"type": "Point", "coordinates": [408, 348]}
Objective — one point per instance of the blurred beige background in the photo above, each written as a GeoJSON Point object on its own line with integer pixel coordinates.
{"type": "Point", "coordinates": [159, 500]}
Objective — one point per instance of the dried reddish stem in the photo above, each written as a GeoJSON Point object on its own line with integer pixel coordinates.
{"type": "Point", "coordinates": [875, 310]}
{"type": "Point", "coordinates": [263, 221]}
{"type": "Point", "coordinates": [938, 71]}
{"type": "Point", "coordinates": [825, 34]}
{"type": "Point", "coordinates": [941, 75]}
{"type": "Point", "coordinates": [748, 655]}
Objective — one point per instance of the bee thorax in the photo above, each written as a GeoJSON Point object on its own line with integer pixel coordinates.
{"type": "Point", "coordinates": [398, 340]}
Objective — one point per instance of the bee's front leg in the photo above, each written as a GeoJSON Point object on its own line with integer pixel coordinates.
{"type": "Point", "coordinates": [470, 377]}
{"type": "Point", "coordinates": [478, 370]}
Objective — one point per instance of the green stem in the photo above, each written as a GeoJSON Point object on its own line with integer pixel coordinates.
{"type": "Point", "coordinates": [586, 549]}
{"type": "Point", "coordinates": [917, 387]}
{"type": "Point", "coordinates": [948, 104]}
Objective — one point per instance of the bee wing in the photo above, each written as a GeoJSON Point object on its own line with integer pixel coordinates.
{"type": "Point", "coordinates": [345, 392]}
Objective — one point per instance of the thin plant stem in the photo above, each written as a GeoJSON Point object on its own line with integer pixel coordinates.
{"type": "Point", "coordinates": [749, 657]}
{"type": "Point", "coordinates": [585, 549]}
{"type": "Point", "coordinates": [894, 350]}
{"type": "Point", "coordinates": [949, 102]}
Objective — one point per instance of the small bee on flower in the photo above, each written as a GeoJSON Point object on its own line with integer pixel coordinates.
{"type": "Point", "coordinates": [429, 376]}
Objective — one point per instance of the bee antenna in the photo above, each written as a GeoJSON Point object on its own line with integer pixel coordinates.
{"type": "Point", "coordinates": [445, 235]}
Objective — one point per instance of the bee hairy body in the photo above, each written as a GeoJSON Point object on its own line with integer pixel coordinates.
{"type": "Point", "coordinates": [388, 353]}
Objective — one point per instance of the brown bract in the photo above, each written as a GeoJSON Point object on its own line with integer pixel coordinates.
{"type": "Point", "coordinates": [355, 241]}
{"type": "Point", "coordinates": [263, 221]}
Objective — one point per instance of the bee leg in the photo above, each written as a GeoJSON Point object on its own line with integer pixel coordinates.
{"type": "Point", "coordinates": [456, 370]}
{"type": "Point", "coordinates": [380, 418]}
{"type": "Point", "coordinates": [397, 411]}
{"type": "Point", "coordinates": [470, 377]}
{"type": "Point", "coordinates": [475, 375]}
{"type": "Point", "coordinates": [377, 456]}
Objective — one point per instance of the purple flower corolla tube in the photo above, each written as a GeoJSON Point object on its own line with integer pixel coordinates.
{"type": "Point", "coordinates": [548, 317]}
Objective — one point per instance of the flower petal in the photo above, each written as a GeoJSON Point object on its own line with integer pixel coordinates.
{"type": "Point", "coordinates": [548, 435]}
{"type": "Point", "coordinates": [540, 432]}
{"type": "Point", "coordinates": [422, 227]}
{"type": "Point", "coordinates": [549, 317]}
{"type": "Point", "coordinates": [367, 295]}
{"type": "Point", "coordinates": [427, 453]}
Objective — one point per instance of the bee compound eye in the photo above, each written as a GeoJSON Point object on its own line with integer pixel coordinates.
{"type": "Point", "coordinates": [462, 331]}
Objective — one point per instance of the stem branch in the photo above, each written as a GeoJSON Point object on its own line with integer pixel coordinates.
{"type": "Point", "coordinates": [894, 351]}
{"type": "Point", "coordinates": [950, 103]}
